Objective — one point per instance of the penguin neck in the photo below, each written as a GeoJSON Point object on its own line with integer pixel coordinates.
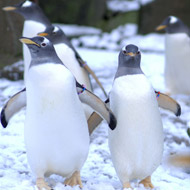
{"type": "Point", "coordinates": [51, 58]}
{"type": "Point", "coordinates": [125, 70]}
{"type": "Point", "coordinates": [180, 28]}
{"type": "Point", "coordinates": [63, 39]}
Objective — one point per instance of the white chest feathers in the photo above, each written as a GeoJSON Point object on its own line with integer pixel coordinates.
{"type": "Point", "coordinates": [177, 63]}
{"type": "Point", "coordinates": [56, 132]}
{"type": "Point", "coordinates": [32, 28]}
{"type": "Point", "coordinates": [67, 56]}
{"type": "Point", "coordinates": [136, 144]}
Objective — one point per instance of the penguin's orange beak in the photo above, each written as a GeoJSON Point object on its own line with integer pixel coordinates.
{"type": "Point", "coordinates": [131, 54]}
{"type": "Point", "coordinates": [161, 27]}
{"type": "Point", "coordinates": [42, 34]}
{"type": "Point", "coordinates": [9, 8]}
{"type": "Point", "coordinates": [28, 41]}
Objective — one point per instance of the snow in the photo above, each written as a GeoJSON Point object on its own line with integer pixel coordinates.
{"type": "Point", "coordinates": [75, 30]}
{"type": "Point", "coordinates": [101, 53]}
{"type": "Point", "coordinates": [126, 5]}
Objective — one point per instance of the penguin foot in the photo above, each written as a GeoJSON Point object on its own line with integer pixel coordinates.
{"type": "Point", "coordinates": [147, 182]}
{"type": "Point", "coordinates": [74, 180]}
{"type": "Point", "coordinates": [42, 185]}
{"type": "Point", "coordinates": [127, 185]}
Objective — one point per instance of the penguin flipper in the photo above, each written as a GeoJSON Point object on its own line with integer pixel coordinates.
{"type": "Point", "coordinates": [97, 104]}
{"type": "Point", "coordinates": [14, 104]}
{"type": "Point", "coordinates": [94, 120]}
{"type": "Point", "coordinates": [166, 102]}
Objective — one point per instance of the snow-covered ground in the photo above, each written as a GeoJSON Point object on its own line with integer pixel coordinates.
{"type": "Point", "coordinates": [101, 53]}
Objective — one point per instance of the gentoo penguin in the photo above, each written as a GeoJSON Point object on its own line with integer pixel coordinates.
{"type": "Point", "coordinates": [56, 132]}
{"type": "Point", "coordinates": [136, 145]}
{"type": "Point", "coordinates": [35, 21]}
{"type": "Point", "coordinates": [177, 55]}
{"type": "Point", "coordinates": [69, 56]}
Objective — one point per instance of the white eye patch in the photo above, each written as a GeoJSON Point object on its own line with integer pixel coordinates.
{"type": "Point", "coordinates": [123, 49]}
{"type": "Point", "coordinates": [55, 29]}
{"type": "Point", "coordinates": [27, 4]}
{"type": "Point", "coordinates": [173, 19]}
{"type": "Point", "coordinates": [46, 41]}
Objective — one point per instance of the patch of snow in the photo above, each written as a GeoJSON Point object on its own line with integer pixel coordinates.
{"type": "Point", "coordinates": [125, 5]}
{"type": "Point", "coordinates": [144, 2]}
{"type": "Point", "coordinates": [150, 42]}
{"type": "Point", "coordinates": [120, 37]}
{"type": "Point", "coordinates": [75, 30]}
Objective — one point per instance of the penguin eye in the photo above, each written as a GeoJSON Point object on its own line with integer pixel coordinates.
{"type": "Point", "coordinates": [138, 52]}
{"type": "Point", "coordinates": [53, 33]}
{"type": "Point", "coordinates": [43, 44]}
{"type": "Point", "coordinates": [124, 52]}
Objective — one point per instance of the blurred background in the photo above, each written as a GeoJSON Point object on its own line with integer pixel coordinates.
{"type": "Point", "coordinates": [103, 14]}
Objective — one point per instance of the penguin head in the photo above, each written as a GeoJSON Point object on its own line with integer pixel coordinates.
{"type": "Point", "coordinates": [130, 56]}
{"type": "Point", "coordinates": [173, 25]}
{"type": "Point", "coordinates": [30, 11]}
{"type": "Point", "coordinates": [25, 8]}
{"type": "Point", "coordinates": [39, 46]}
{"type": "Point", "coordinates": [53, 33]}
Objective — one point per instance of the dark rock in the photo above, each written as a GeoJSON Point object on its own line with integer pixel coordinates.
{"type": "Point", "coordinates": [13, 72]}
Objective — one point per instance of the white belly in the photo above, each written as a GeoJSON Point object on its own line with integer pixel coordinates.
{"type": "Point", "coordinates": [56, 132]}
{"type": "Point", "coordinates": [68, 58]}
{"type": "Point", "coordinates": [177, 63]}
{"type": "Point", "coordinates": [30, 29]}
{"type": "Point", "coordinates": [136, 144]}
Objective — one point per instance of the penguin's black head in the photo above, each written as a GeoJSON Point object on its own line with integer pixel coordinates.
{"type": "Point", "coordinates": [173, 25]}
{"type": "Point", "coordinates": [53, 33]}
{"type": "Point", "coordinates": [25, 8]}
{"type": "Point", "coordinates": [30, 11]}
{"type": "Point", "coordinates": [130, 56]}
{"type": "Point", "coordinates": [39, 47]}
{"type": "Point", "coordinates": [42, 50]}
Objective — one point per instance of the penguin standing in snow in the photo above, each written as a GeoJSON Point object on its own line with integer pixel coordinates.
{"type": "Point", "coordinates": [177, 55]}
{"type": "Point", "coordinates": [35, 21]}
{"type": "Point", "coordinates": [136, 145]}
{"type": "Point", "coordinates": [56, 131]}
